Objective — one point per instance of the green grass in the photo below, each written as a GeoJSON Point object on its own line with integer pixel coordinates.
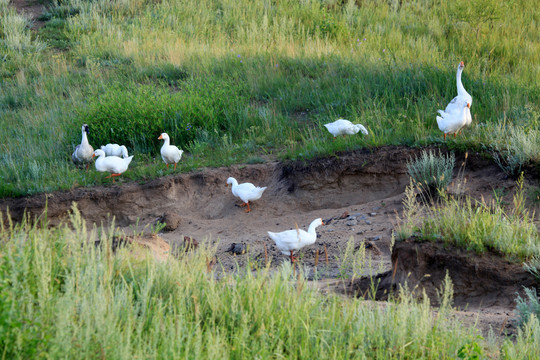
{"type": "Point", "coordinates": [261, 77]}
{"type": "Point", "coordinates": [61, 297]}
{"type": "Point", "coordinates": [477, 225]}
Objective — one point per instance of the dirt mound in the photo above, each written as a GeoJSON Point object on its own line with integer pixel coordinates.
{"type": "Point", "coordinates": [479, 280]}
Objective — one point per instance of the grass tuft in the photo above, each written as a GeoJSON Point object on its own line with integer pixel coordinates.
{"type": "Point", "coordinates": [431, 173]}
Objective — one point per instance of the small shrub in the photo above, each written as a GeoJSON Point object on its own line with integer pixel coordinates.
{"type": "Point", "coordinates": [530, 305]}
{"type": "Point", "coordinates": [533, 266]}
{"type": "Point", "coordinates": [431, 173]}
{"type": "Point", "coordinates": [519, 148]}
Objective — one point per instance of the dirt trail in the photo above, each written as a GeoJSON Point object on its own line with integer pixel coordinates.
{"type": "Point", "coordinates": [360, 192]}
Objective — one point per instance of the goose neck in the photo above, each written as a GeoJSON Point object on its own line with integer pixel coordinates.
{"type": "Point", "coordinates": [314, 224]}
{"type": "Point", "coordinates": [84, 138]}
{"type": "Point", "coordinates": [460, 89]}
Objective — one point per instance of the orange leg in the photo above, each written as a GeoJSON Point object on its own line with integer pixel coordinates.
{"type": "Point", "coordinates": [174, 166]}
{"type": "Point", "coordinates": [455, 135]}
{"type": "Point", "coordinates": [445, 136]}
{"type": "Point", "coordinates": [167, 165]}
{"type": "Point", "coordinates": [293, 259]}
{"type": "Point", "coordinates": [112, 176]}
{"type": "Point", "coordinates": [246, 204]}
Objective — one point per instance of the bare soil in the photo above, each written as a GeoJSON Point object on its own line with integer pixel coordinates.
{"type": "Point", "coordinates": [359, 193]}
{"type": "Point", "coordinates": [33, 9]}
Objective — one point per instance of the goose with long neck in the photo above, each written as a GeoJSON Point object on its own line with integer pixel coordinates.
{"type": "Point", "coordinates": [457, 113]}
{"type": "Point", "coordinates": [84, 151]}
{"type": "Point", "coordinates": [289, 241]}
{"type": "Point", "coordinates": [246, 191]}
{"type": "Point", "coordinates": [169, 153]}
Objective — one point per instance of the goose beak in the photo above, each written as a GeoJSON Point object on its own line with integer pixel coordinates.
{"type": "Point", "coordinates": [160, 137]}
{"type": "Point", "coordinates": [462, 64]}
{"type": "Point", "coordinates": [469, 105]}
{"type": "Point", "coordinates": [93, 156]}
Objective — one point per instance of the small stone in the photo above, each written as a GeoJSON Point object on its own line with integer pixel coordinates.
{"type": "Point", "coordinates": [171, 220]}
{"type": "Point", "coordinates": [351, 218]}
{"type": "Point", "coordinates": [376, 238]}
{"type": "Point", "coordinates": [344, 215]}
{"type": "Point", "coordinates": [372, 214]}
{"type": "Point", "coordinates": [368, 222]}
{"type": "Point", "coordinates": [190, 243]}
{"type": "Point", "coordinates": [352, 222]}
{"type": "Point", "coordinates": [327, 221]}
{"type": "Point", "coordinates": [237, 249]}
{"type": "Point", "coordinates": [330, 230]}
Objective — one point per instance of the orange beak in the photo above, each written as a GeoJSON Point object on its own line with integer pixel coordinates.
{"type": "Point", "coordinates": [160, 137]}
{"type": "Point", "coordinates": [93, 155]}
{"type": "Point", "coordinates": [469, 105]}
{"type": "Point", "coordinates": [462, 64]}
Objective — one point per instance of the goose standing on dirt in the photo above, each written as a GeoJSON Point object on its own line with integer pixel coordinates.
{"type": "Point", "coordinates": [84, 151]}
{"type": "Point", "coordinates": [456, 105]}
{"type": "Point", "coordinates": [345, 127]}
{"type": "Point", "coordinates": [451, 122]}
{"type": "Point", "coordinates": [112, 164]}
{"type": "Point", "coordinates": [169, 153]}
{"type": "Point", "coordinates": [246, 191]}
{"type": "Point", "coordinates": [115, 150]}
{"type": "Point", "coordinates": [290, 241]}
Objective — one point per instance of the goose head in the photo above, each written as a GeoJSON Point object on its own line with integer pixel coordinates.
{"type": "Point", "coordinates": [85, 129]}
{"type": "Point", "coordinates": [361, 128]}
{"type": "Point", "coordinates": [461, 65]}
{"type": "Point", "coordinates": [98, 153]}
{"type": "Point", "coordinates": [231, 181]}
{"type": "Point", "coordinates": [163, 136]}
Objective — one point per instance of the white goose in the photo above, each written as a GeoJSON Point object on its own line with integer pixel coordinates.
{"type": "Point", "coordinates": [290, 241]}
{"type": "Point", "coordinates": [456, 105]}
{"type": "Point", "coordinates": [345, 127]}
{"type": "Point", "coordinates": [451, 122]}
{"type": "Point", "coordinates": [113, 164]}
{"type": "Point", "coordinates": [84, 151]}
{"type": "Point", "coordinates": [169, 153]}
{"type": "Point", "coordinates": [246, 191]}
{"type": "Point", "coordinates": [115, 150]}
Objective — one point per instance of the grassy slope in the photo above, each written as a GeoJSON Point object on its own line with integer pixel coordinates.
{"type": "Point", "coordinates": [233, 80]}
{"type": "Point", "coordinates": [62, 298]}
